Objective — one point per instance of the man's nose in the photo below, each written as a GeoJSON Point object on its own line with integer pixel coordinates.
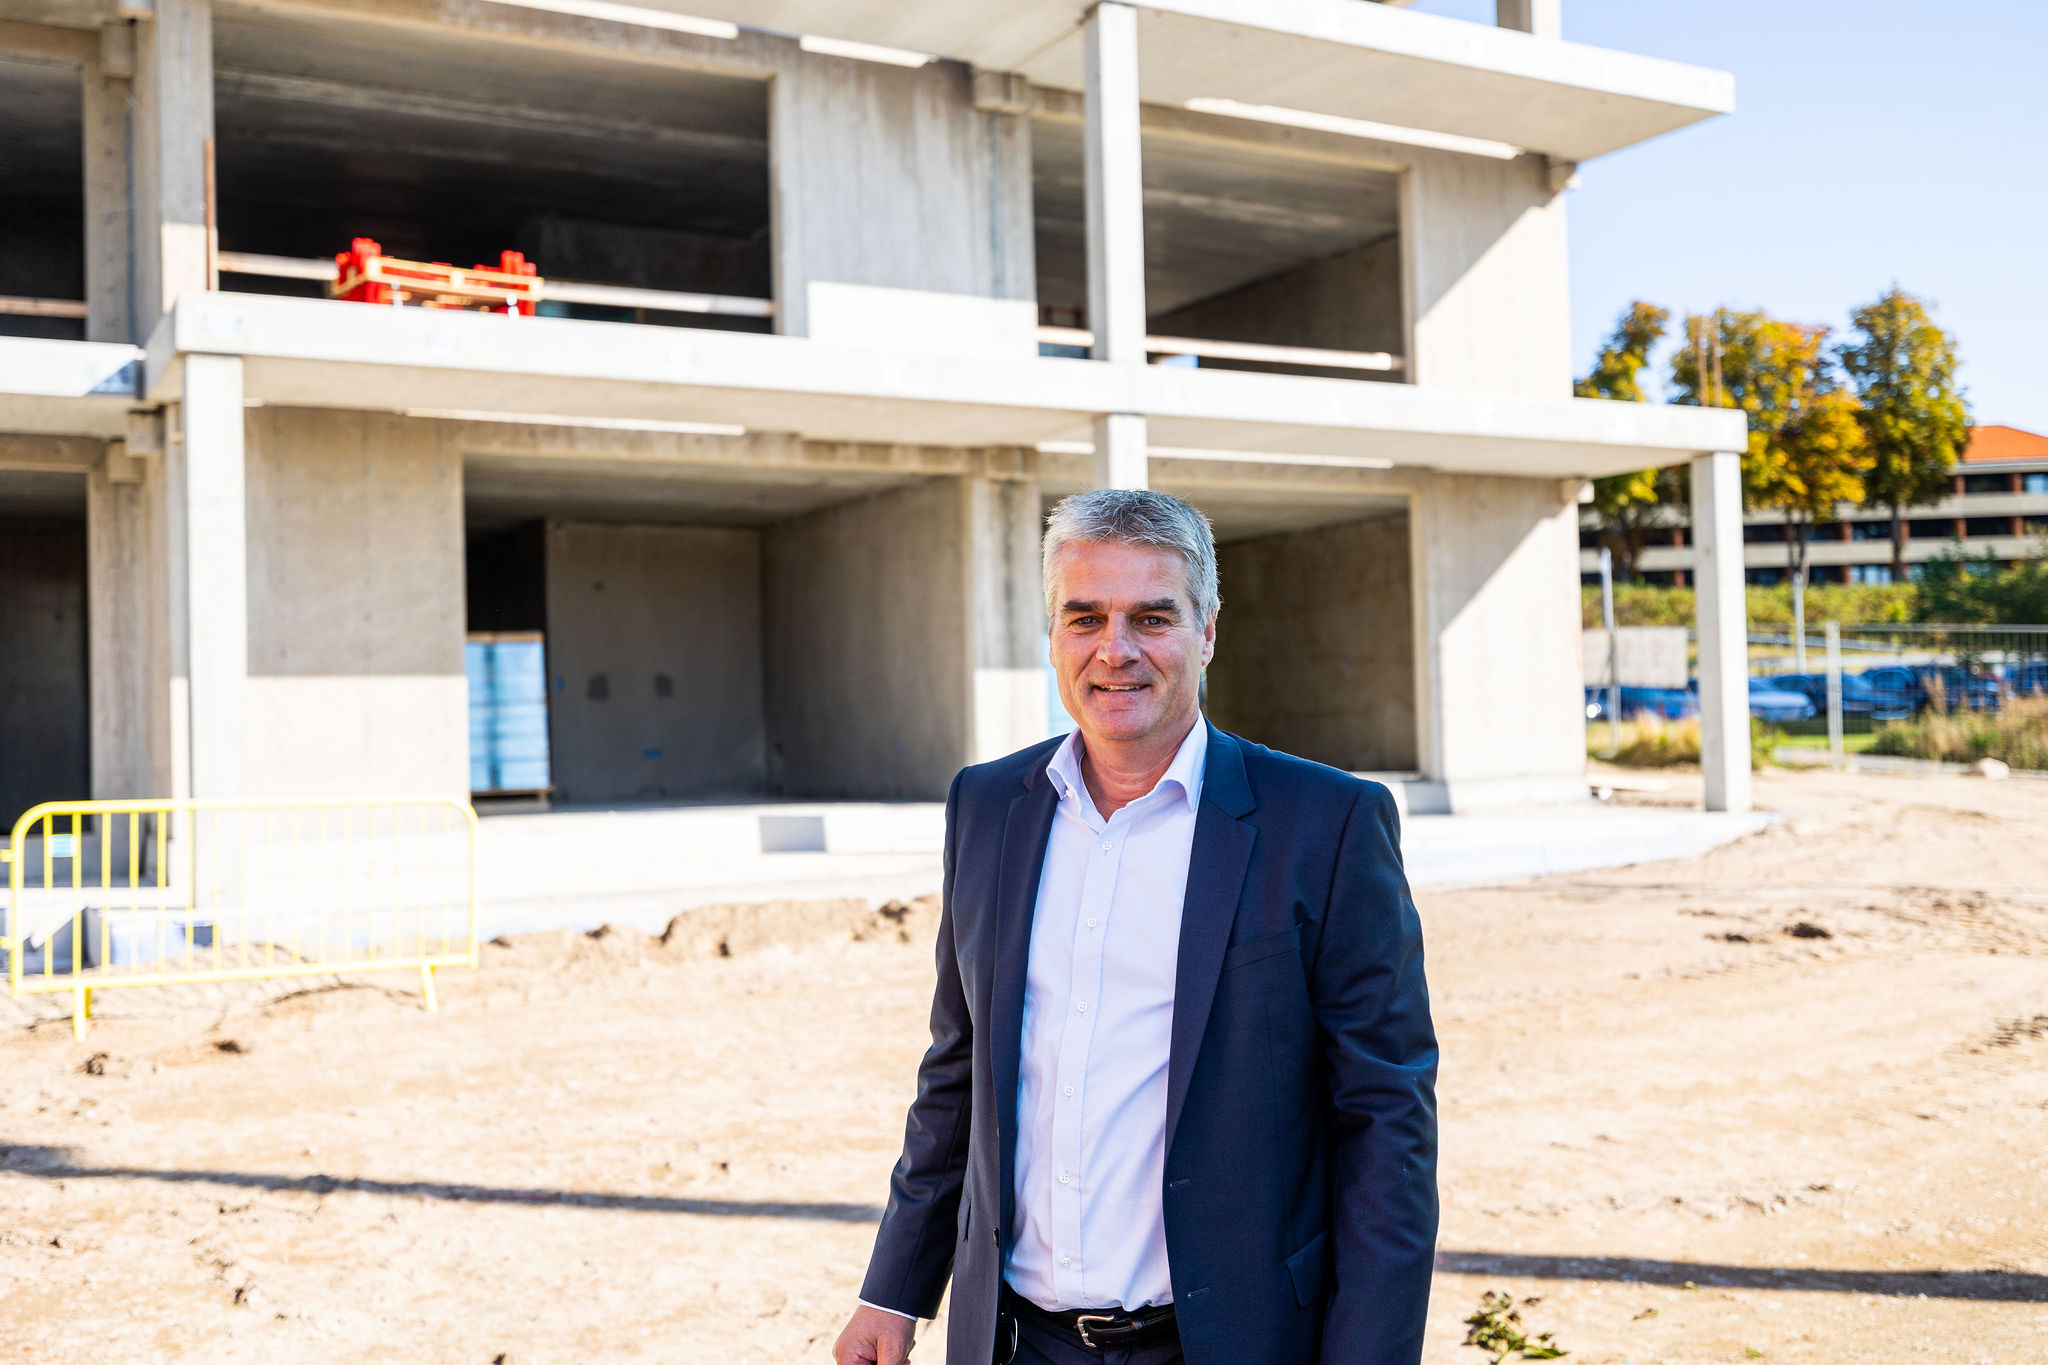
{"type": "Point", "coordinates": [1119, 645]}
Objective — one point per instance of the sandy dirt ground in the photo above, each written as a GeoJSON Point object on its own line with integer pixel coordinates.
{"type": "Point", "coordinates": [1788, 1101]}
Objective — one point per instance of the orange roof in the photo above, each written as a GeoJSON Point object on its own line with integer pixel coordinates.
{"type": "Point", "coordinates": [1990, 444]}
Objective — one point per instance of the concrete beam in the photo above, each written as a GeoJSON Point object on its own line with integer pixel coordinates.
{"type": "Point", "coordinates": [61, 454]}
{"type": "Point", "coordinates": [753, 52]}
{"type": "Point", "coordinates": [47, 43]}
{"type": "Point", "coordinates": [316, 353]}
{"type": "Point", "coordinates": [1543, 18]}
{"type": "Point", "coordinates": [1722, 628]}
{"type": "Point", "coordinates": [216, 585]}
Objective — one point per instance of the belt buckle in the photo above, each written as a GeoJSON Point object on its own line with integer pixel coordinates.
{"type": "Point", "coordinates": [1081, 1322]}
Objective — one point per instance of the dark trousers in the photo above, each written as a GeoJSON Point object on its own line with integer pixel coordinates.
{"type": "Point", "coordinates": [1038, 1346]}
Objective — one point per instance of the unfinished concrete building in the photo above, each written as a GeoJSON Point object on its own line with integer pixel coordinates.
{"type": "Point", "coordinates": [834, 299]}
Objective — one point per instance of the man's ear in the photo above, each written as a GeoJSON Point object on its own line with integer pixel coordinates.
{"type": "Point", "coordinates": [1209, 639]}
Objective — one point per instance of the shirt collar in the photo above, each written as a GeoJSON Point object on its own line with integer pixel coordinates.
{"type": "Point", "coordinates": [1184, 774]}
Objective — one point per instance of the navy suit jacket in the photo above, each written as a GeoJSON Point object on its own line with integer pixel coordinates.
{"type": "Point", "coordinates": [1300, 1198]}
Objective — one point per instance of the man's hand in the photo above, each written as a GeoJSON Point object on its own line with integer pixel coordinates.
{"type": "Point", "coordinates": [874, 1336]}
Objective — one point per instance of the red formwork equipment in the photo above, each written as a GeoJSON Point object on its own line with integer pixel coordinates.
{"type": "Point", "coordinates": [364, 274]}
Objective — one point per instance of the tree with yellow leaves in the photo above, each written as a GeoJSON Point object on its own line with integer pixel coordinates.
{"type": "Point", "coordinates": [1628, 504]}
{"type": "Point", "coordinates": [1807, 449]}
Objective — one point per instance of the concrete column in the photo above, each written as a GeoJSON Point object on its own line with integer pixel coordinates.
{"type": "Point", "coordinates": [1498, 671]}
{"type": "Point", "coordinates": [109, 267]}
{"type": "Point", "coordinates": [1544, 18]}
{"type": "Point", "coordinates": [127, 625]}
{"type": "Point", "coordinates": [1116, 194]}
{"type": "Point", "coordinates": [173, 118]}
{"type": "Point", "coordinates": [1116, 229]}
{"type": "Point", "coordinates": [1007, 616]}
{"type": "Point", "coordinates": [1723, 628]}
{"type": "Point", "coordinates": [215, 571]}
{"type": "Point", "coordinates": [1120, 459]}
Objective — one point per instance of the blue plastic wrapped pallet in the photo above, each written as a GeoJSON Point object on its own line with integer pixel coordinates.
{"type": "Point", "coordinates": [508, 713]}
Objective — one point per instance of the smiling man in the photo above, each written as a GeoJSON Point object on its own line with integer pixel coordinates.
{"type": "Point", "coordinates": [1179, 1103]}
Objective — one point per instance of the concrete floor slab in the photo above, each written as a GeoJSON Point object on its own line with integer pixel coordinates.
{"type": "Point", "coordinates": [642, 866]}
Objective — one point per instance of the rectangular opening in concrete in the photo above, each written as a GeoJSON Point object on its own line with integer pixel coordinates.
{"type": "Point", "coordinates": [42, 200]}
{"type": "Point", "coordinates": [1315, 646]}
{"type": "Point", "coordinates": [45, 732]}
{"type": "Point", "coordinates": [1241, 245]}
{"type": "Point", "coordinates": [444, 147]}
{"type": "Point", "coordinates": [726, 632]}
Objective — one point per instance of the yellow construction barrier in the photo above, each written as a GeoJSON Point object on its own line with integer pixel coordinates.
{"type": "Point", "coordinates": [158, 893]}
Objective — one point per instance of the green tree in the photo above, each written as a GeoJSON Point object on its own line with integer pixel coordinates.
{"type": "Point", "coordinates": [1959, 588]}
{"type": "Point", "coordinates": [1627, 504]}
{"type": "Point", "coordinates": [1807, 451]}
{"type": "Point", "coordinates": [1915, 419]}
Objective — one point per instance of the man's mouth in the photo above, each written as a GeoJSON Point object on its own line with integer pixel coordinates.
{"type": "Point", "coordinates": [1121, 687]}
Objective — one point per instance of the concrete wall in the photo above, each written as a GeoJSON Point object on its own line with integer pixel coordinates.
{"type": "Point", "coordinates": [654, 661]}
{"type": "Point", "coordinates": [1498, 661]}
{"type": "Point", "coordinates": [1315, 648]}
{"type": "Point", "coordinates": [1485, 244]}
{"type": "Point", "coordinates": [355, 607]}
{"type": "Point", "coordinates": [43, 719]}
{"type": "Point", "coordinates": [869, 651]}
{"type": "Point", "coordinates": [1348, 302]}
{"type": "Point", "coordinates": [886, 175]}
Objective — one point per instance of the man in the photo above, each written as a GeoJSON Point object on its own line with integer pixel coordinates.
{"type": "Point", "coordinates": [1179, 1103]}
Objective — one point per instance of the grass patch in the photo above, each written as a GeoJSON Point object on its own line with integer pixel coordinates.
{"type": "Point", "coordinates": [1650, 741]}
{"type": "Point", "coordinates": [2016, 734]}
{"type": "Point", "coordinates": [1851, 743]}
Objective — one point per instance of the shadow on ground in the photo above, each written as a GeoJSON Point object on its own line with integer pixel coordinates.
{"type": "Point", "coordinates": [56, 1163]}
{"type": "Point", "coordinates": [1989, 1285]}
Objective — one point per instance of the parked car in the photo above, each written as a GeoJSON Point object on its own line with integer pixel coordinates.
{"type": "Point", "coordinates": [1861, 699]}
{"type": "Point", "coordinates": [1670, 703]}
{"type": "Point", "coordinates": [1914, 686]}
{"type": "Point", "coordinates": [1961, 689]}
{"type": "Point", "coordinates": [1775, 705]}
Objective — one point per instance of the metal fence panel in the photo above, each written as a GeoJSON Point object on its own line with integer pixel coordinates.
{"type": "Point", "coordinates": [159, 892]}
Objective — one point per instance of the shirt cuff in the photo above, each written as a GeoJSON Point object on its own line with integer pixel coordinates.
{"type": "Point", "coordinates": [886, 1309]}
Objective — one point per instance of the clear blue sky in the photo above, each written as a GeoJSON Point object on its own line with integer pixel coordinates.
{"type": "Point", "coordinates": [1872, 142]}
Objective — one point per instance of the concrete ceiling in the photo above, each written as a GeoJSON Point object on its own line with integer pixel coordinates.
{"type": "Point", "coordinates": [1216, 217]}
{"type": "Point", "coordinates": [1353, 60]}
{"type": "Point", "coordinates": [35, 495]}
{"type": "Point", "coordinates": [1249, 514]}
{"type": "Point", "coordinates": [444, 144]}
{"type": "Point", "coordinates": [501, 490]}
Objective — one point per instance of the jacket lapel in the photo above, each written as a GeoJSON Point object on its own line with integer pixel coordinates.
{"type": "Point", "coordinates": [1025, 833]}
{"type": "Point", "coordinates": [1216, 869]}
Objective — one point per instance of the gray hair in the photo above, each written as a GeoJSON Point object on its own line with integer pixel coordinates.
{"type": "Point", "coordinates": [1135, 516]}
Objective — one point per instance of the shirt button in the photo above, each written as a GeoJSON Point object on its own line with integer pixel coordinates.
{"type": "Point", "coordinates": [1105, 848]}
{"type": "Point", "coordinates": [1091, 921]}
{"type": "Point", "coordinates": [1066, 1262]}
{"type": "Point", "coordinates": [1083, 1007]}
{"type": "Point", "coordinates": [1066, 1179]}
{"type": "Point", "coordinates": [1070, 1092]}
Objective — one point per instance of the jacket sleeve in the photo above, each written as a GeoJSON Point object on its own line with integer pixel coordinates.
{"type": "Point", "coordinates": [1372, 1007]}
{"type": "Point", "coordinates": [914, 1250]}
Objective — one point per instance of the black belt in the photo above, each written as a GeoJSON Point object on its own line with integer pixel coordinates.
{"type": "Point", "coordinates": [1098, 1329]}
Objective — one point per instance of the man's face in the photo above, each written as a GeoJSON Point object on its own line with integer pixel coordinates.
{"type": "Point", "coordinates": [1126, 644]}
